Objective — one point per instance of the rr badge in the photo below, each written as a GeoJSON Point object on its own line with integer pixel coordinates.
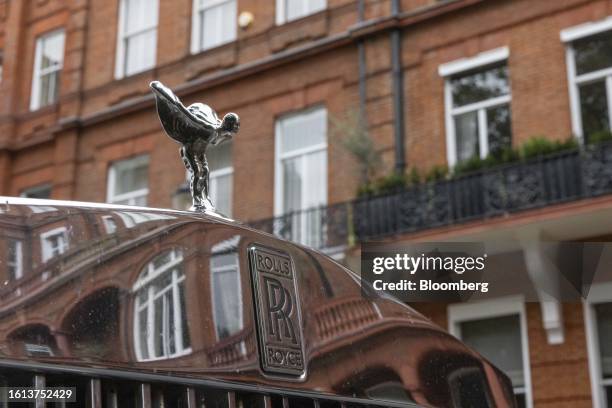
{"type": "Point", "coordinates": [277, 310]}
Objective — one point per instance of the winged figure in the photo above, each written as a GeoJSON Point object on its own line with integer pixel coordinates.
{"type": "Point", "coordinates": [195, 128]}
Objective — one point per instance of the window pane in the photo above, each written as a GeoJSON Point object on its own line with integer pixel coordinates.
{"type": "Point", "coordinates": [296, 8]}
{"type": "Point", "coordinates": [130, 178]}
{"type": "Point", "coordinates": [140, 52]}
{"type": "Point", "coordinates": [221, 193]}
{"type": "Point", "coordinates": [593, 53]}
{"type": "Point", "coordinates": [169, 303]}
{"type": "Point", "coordinates": [594, 108]}
{"type": "Point", "coordinates": [466, 136]}
{"type": "Point", "coordinates": [292, 185]}
{"type": "Point", "coordinates": [302, 131]}
{"type": "Point", "coordinates": [226, 295]}
{"type": "Point", "coordinates": [184, 320]}
{"type": "Point", "coordinates": [143, 332]}
{"type": "Point", "coordinates": [37, 192]}
{"type": "Point", "coordinates": [316, 191]}
{"type": "Point", "coordinates": [141, 14]}
{"type": "Point", "coordinates": [604, 330]}
{"type": "Point", "coordinates": [220, 156]}
{"type": "Point", "coordinates": [218, 24]}
{"type": "Point", "coordinates": [480, 86]}
{"type": "Point", "coordinates": [15, 259]}
{"type": "Point", "coordinates": [499, 340]}
{"type": "Point", "coordinates": [162, 283]}
{"type": "Point", "coordinates": [162, 260]}
{"type": "Point", "coordinates": [158, 313]}
{"type": "Point", "coordinates": [300, 8]}
{"type": "Point", "coordinates": [52, 50]}
{"type": "Point", "coordinates": [49, 88]}
{"type": "Point", "coordinates": [498, 128]}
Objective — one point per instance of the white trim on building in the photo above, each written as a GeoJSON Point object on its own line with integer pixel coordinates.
{"type": "Point", "coordinates": [449, 69]}
{"type": "Point", "coordinates": [598, 293]}
{"type": "Point", "coordinates": [53, 70]}
{"type": "Point", "coordinates": [225, 30]}
{"type": "Point", "coordinates": [126, 32]}
{"type": "Point", "coordinates": [506, 306]}
{"type": "Point", "coordinates": [48, 249]}
{"type": "Point", "coordinates": [134, 197]}
{"type": "Point", "coordinates": [569, 35]}
{"type": "Point", "coordinates": [308, 7]}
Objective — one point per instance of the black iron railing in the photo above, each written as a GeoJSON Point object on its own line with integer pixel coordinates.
{"type": "Point", "coordinates": [561, 177]}
{"type": "Point", "coordinates": [319, 227]}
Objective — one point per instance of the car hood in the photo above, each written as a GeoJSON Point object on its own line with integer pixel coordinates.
{"type": "Point", "coordinates": [139, 290]}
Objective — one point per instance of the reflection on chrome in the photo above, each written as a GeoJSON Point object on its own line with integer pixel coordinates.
{"type": "Point", "coordinates": [132, 218]}
{"type": "Point", "coordinates": [157, 292]}
{"type": "Point", "coordinates": [160, 324]}
{"type": "Point", "coordinates": [233, 342]}
{"type": "Point", "coordinates": [53, 243]}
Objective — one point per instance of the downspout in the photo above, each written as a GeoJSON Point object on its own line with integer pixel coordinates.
{"type": "Point", "coordinates": [361, 55]}
{"type": "Point", "coordinates": [398, 90]}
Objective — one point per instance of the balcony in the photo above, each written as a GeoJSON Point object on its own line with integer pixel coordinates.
{"type": "Point", "coordinates": [553, 179]}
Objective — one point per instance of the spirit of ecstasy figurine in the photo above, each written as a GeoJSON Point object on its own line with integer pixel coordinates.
{"type": "Point", "coordinates": [194, 127]}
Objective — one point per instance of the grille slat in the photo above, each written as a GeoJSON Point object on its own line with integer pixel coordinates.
{"type": "Point", "coordinates": [39, 383]}
{"type": "Point", "coordinates": [191, 398]}
{"type": "Point", "coordinates": [144, 396]}
{"type": "Point", "coordinates": [94, 393]}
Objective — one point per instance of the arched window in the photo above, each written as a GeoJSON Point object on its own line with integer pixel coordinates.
{"type": "Point", "coordinates": [160, 322]}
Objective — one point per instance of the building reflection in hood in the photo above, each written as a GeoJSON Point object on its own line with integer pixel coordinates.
{"type": "Point", "coordinates": [168, 293]}
{"type": "Point", "coordinates": [160, 324]}
{"type": "Point", "coordinates": [233, 343]}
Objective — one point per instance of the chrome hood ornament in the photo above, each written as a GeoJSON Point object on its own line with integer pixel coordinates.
{"type": "Point", "coordinates": [194, 127]}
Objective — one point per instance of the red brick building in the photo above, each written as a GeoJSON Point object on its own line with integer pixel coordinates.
{"type": "Point", "coordinates": [433, 83]}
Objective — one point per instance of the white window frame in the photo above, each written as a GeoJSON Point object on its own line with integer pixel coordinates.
{"type": "Point", "coordinates": [598, 293]}
{"type": "Point", "coordinates": [38, 72]}
{"type": "Point", "coordinates": [110, 224]}
{"type": "Point", "coordinates": [124, 164]}
{"type": "Point", "coordinates": [123, 35]}
{"type": "Point", "coordinates": [452, 68]}
{"type": "Point", "coordinates": [235, 266]}
{"type": "Point", "coordinates": [568, 36]}
{"type": "Point", "coordinates": [278, 161]}
{"type": "Point", "coordinates": [18, 264]}
{"type": "Point", "coordinates": [506, 306]}
{"type": "Point", "coordinates": [46, 250]}
{"type": "Point", "coordinates": [196, 26]}
{"type": "Point", "coordinates": [144, 283]}
{"type": "Point", "coordinates": [281, 12]}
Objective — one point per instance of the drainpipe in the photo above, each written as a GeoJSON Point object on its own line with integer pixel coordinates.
{"type": "Point", "coordinates": [361, 55]}
{"type": "Point", "coordinates": [398, 90]}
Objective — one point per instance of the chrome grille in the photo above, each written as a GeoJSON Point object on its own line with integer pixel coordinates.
{"type": "Point", "coordinates": [106, 390]}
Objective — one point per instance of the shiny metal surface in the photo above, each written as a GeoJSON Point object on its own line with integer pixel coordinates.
{"type": "Point", "coordinates": [152, 296]}
{"type": "Point", "coordinates": [194, 128]}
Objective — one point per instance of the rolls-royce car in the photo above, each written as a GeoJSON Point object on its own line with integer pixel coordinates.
{"type": "Point", "coordinates": [125, 306]}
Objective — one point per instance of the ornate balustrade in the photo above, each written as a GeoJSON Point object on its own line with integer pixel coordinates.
{"type": "Point", "coordinates": [237, 347]}
{"type": "Point", "coordinates": [344, 316]}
